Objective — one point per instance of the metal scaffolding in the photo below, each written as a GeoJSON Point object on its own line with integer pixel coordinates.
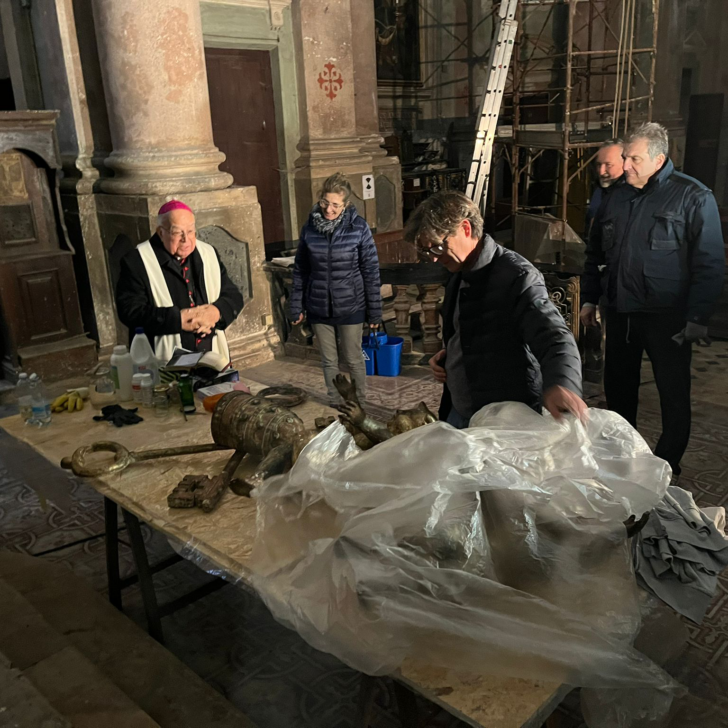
{"type": "Point", "coordinates": [583, 71]}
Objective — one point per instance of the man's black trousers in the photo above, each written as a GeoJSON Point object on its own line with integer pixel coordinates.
{"type": "Point", "coordinates": [628, 336]}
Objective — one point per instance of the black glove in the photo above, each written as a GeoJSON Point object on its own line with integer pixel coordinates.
{"type": "Point", "coordinates": [693, 332]}
{"type": "Point", "coordinates": [118, 415]}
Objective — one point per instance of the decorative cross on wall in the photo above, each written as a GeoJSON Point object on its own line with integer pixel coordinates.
{"type": "Point", "coordinates": [330, 80]}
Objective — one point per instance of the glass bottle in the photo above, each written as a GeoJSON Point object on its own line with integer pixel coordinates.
{"type": "Point", "coordinates": [187, 396]}
{"type": "Point", "coordinates": [161, 400]}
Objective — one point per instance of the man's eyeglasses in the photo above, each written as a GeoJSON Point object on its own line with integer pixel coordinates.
{"type": "Point", "coordinates": [432, 252]}
{"type": "Point", "coordinates": [325, 204]}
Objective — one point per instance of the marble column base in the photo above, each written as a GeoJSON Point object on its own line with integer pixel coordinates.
{"type": "Point", "coordinates": [162, 173]}
{"type": "Point", "coordinates": [228, 219]}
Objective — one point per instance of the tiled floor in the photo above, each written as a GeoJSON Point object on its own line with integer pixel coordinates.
{"type": "Point", "coordinates": [269, 672]}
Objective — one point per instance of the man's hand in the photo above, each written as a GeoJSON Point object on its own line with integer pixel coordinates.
{"type": "Point", "coordinates": [588, 316]}
{"type": "Point", "coordinates": [188, 319]}
{"type": "Point", "coordinates": [693, 333]}
{"type": "Point", "coordinates": [437, 364]}
{"type": "Point", "coordinates": [558, 399]}
{"type": "Point", "coordinates": [201, 319]}
{"type": "Point", "coordinates": [298, 320]}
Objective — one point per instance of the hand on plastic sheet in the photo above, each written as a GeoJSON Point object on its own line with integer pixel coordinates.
{"type": "Point", "coordinates": [559, 400]}
{"type": "Point", "coordinates": [498, 549]}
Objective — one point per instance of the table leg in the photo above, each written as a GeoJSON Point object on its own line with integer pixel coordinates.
{"type": "Point", "coordinates": [146, 582]}
{"type": "Point", "coordinates": [366, 701]}
{"type": "Point", "coordinates": [406, 705]}
{"type": "Point", "coordinates": [111, 523]}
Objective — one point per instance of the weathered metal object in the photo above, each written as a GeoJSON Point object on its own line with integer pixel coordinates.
{"type": "Point", "coordinates": [202, 491]}
{"type": "Point", "coordinates": [246, 423]}
{"type": "Point", "coordinates": [284, 396]}
{"type": "Point", "coordinates": [123, 458]}
{"type": "Point", "coordinates": [241, 422]}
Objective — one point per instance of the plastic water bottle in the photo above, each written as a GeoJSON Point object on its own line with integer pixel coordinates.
{"type": "Point", "coordinates": [41, 407]}
{"type": "Point", "coordinates": [22, 393]}
{"type": "Point", "coordinates": [122, 370]}
{"type": "Point", "coordinates": [142, 356]}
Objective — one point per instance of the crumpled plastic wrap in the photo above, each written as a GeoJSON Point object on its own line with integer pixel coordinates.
{"type": "Point", "coordinates": [499, 549]}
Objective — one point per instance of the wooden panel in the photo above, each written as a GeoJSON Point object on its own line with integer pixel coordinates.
{"type": "Point", "coordinates": [244, 127]}
{"type": "Point", "coordinates": [27, 224]}
{"type": "Point", "coordinates": [39, 301]}
{"type": "Point", "coordinates": [40, 293]}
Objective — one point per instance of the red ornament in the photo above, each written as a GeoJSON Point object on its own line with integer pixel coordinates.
{"type": "Point", "coordinates": [330, 80]}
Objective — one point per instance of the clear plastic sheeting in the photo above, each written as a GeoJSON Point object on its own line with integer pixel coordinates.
{"type": "Point", "coordinates": [498, 549]}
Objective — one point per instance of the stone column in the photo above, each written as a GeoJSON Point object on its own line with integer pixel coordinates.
{"type": "Point", "coordinates": [387, 170]}
{"type": "Point", "coordinates": [153, 66]}
{"type": "Point", "coordinates": [330, 141]}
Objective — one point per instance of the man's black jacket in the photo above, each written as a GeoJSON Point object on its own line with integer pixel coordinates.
{"type": "Point", "coordinates": [515, 342]}
{"type": "Point", "coordinates": [657, 250]}
{"type": "Point", "coordinates": [135, 302]}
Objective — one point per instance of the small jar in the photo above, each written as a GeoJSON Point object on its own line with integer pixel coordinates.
{"type": "Point", "coordinates": [161, 400]}
{"type": "Point", "coordinates": [103, 391]}
{"type": "Point", "coordinates": [136, 388]}
{"type": "Point", "coordinates": [147, 390]}
{"type": "Point", "coordinates": [186, 395]}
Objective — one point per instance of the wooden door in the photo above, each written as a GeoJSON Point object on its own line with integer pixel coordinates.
{"type": "Point", "coordinates": [244, 127]}
{"type": "Point", "coordinates": [703, 137]}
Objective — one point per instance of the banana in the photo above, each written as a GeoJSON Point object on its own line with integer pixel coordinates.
{"type": "Point", "coordinates": [60, 401]}
{"type": "Point", "coordinates": [71, 401]}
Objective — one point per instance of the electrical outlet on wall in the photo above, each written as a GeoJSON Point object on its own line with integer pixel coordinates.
{"type": "Point", "coordinates": [367, 185]}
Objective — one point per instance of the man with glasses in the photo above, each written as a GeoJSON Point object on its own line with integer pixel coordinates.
{"type": "Point", "coordinates": [176, 288]}
{"type": "Point", "coordinates": [504, 340]}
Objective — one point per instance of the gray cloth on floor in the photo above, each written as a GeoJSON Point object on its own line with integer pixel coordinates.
{"type": "Point", "coordinates": [679, 554]}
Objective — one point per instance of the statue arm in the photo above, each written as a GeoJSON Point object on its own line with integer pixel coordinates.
{"type": "Point", "coordinates": [355, 415]}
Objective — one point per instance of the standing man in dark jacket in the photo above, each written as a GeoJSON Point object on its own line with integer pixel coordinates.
{"type": "Point", "coordinates": [656, 255]}
{"type": "Point", "coordinates": [336, 282]}
{"type": "Point", "coordinates": [609, 166]}
{"type": "Point", "coordinates": [505, 341]}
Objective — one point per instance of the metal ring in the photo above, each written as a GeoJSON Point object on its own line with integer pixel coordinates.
{"type": "Point", "coordinates": [284, 396]}
{"type": "Point", "coordinates": [122, 459]}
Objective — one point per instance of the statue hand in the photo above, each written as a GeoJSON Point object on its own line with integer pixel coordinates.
{"type": "Point", "coordinates": [353, 412]}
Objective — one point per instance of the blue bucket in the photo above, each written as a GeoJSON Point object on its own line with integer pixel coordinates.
{"type": "Point", "coordinates": [369, 345]}
{"type": "Point", "coordinates": [389, 357]}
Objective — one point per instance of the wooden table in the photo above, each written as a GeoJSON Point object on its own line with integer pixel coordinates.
{"type": "Point", "coordinates": [225, 539]}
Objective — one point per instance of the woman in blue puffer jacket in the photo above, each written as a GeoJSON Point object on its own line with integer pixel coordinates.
{"type": "Point", "coordinates": [336, 282]}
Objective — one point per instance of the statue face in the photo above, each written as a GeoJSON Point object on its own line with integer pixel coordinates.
{"type": "Point", "coordinates": [406, 420]}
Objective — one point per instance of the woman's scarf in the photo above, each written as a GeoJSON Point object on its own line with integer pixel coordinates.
{"type": "Point", "coordinates": [324, 226]}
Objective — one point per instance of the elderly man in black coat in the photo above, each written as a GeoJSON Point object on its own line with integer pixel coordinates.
{"type": "Point", "coordinates": [655, 261]}
{"type": "Point", "coordinates": [176, 288]}
{"type": "Point", "coordinates": [505, 341]}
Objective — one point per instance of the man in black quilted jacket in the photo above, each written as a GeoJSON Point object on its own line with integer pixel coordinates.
{"type": "Point", "coordinates": [505, 341]}
{"type": "Point", "coordinates": [655, 259]}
